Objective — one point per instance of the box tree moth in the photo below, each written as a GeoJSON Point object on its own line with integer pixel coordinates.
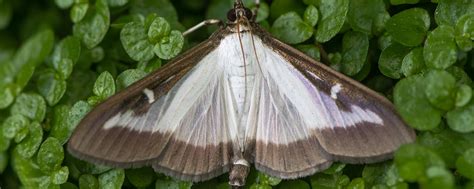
{"type": "Point", "coordinates": [238, 98]}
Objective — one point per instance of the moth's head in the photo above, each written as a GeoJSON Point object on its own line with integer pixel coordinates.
{"type": "Point", "coordinates": [239, 14]}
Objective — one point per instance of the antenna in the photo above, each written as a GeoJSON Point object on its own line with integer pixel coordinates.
{"type": "Point", "coordinates": [255, 11]}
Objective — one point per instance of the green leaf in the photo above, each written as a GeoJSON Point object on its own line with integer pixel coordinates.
{"type": "Point", "coordinates": [59, 125]}
{"type": "Point", "coordinates": [120, 22]}
{"type": "Point", "coordinates": [112, 179]}
{"type": "Point", "coordinates": [78, 11]}
{"type": "Point", "coordinates": [443, 144]}
{"type": "Point", "coordinates": [117, 3]}
{"type": "Point", "coordinates": [465, 32]}
{"type": "Point", "coordinates": [94, 100]}
{"type": "Point", "coordinates": [289, 184]}
{"type": "Point", "coordinates": [30, 55]}
{"type": "Point", "coordinates": [385, 40]}
{"type": "Point", "coordinates": [310, 50]}
{"type": "Point", "coordinates": [78, 167]}
{"type": "Point", "coordinates": [413, 160]}
{"type": "Point", "coordinates": [128, 77]}
{"type": "Point", "coordinates": [135, 42]}
{"type": "Point", "coordinates": [382, 173]}
{"type": "Point", "coordinates": [64, 4]}
{"type": "Point", "coordinates": [413, 63]}
{"type": "Point", "coordinates": [21, 134]}
{"type": "Point", "coordinates": [141, 177]}
{"type": "Point", "coordinates": [149, 66]}
{"type": "Point", "coordinates": [357, 183]}
{"type": "Point", "coordinates": [449, 11]}
{"type": "Point", "coordinates": [438, 178]}
{"type": "Point", "coordinates": [168, 183]}
{"type": "Point", "coordinates": [465, 164]}
{"type": "Point", "coordinates": [64, 68]}
{"type": "Point", "coordinates": [219, 9]}
{"type": "Point", "coordinates": [410, 33]}
{"type": "Point", "coordinates": [96, 54]}
{"type": "Point", "coordinates": [51, 86]}
{"type": "Point", "coordinates": [77, 112]}
{"type": "Point", "coordinates": [6, 13]}
{"type": "Point", "coordinates": [368, 16]}
{"type": "Point", "coordinates": [4, 140]}
{"type": "Point", "coordinates": [66, 54]}
{"type": "Point", "coordinates": [162, 8]}
{"type": "Point", "coordinates": [60, 176]}
{"type": "Point", "coordinates": [441, 89]}
{"type": "Point", "coordinates": [29, 173]}
{"type": "Point", "coordinates": [92, 29]}
{"type": "Point", "coordinates": [400, 2]}
{"type": "Point", "coordinates": [28, 147]}
{"type": "Point", "coordinates": [412, 104]}
{"type": "Point", "coordinates": [30, 105]}
{"type": "Point", "coordinates": [159, 28]}
{"type": "Point", "coordinates": [440, 50]}
{"type": "Point", "coordinates": [463, 95]}
{"type": "Point", "coordinates": [333, 15]}
{"type": "Point", "coordinates": [290, 28]}
{"type": "Point", "coordinates": [169, 46]}
{"type": "Point", "coordinates": [13, 124]}
{"type": "Point", "coordinates": [104, 86]}
{"type": "Point", "coordinates": [329, 181]}
{"type": "Point", "coordinates": [355, 46]}
{"type": "Point", "coordinates": [50, 155]}
{"type": "Point", "coordinates": [87, 181]}
{"type": "Point", "coordinates": [7, 95]}
{"type": "Point", "coordinates": [311, 15]}
{"type": "Point", "coordinates": [267, 179]}
{"type": "Point", "coordinates": [260, 186]}
{"type": "Point", "coordinates": [3, 161]}
{"type": "Point", "coordinates": [391, 59]}
{"type": "Point", "coordinates": [460, 75]}
{"type": "Point", "coordinates": [280, 7]}
{"type": "Point", "coordinates": [335, 168]}
{"type": "Point", "coordinates": [462, 119]}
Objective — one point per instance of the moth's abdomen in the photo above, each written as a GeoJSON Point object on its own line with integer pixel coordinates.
{"type": "Point", "coordinates": [242, 85]}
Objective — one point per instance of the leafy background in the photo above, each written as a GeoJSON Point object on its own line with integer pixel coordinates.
{"type": "Point", "coordinates": [58, 59]}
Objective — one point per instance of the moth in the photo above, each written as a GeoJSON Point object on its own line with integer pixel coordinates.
{"type": "Point", "coordinates": [238, 98]}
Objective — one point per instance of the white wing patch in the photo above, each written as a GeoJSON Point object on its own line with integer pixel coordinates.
{"type": "Point", "coordinates": [150, 95]}
{"type": "Point", "coordinates": [194, 109]}
{"type": "Point", "coordinates": [334, 90]}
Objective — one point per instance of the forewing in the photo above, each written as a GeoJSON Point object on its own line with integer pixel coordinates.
{"type": "Point", "coordinates": [171, 120]}
{"type": "Point", "coordinates": [351, 122]}
{"type": "Point", "coordinates": [305, 104]}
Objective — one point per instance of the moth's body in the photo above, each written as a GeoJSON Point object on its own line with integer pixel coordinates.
{"type": "Point", "coordinates": [239, 74]}
{"type": "Point", "coordinates": [241, 97]}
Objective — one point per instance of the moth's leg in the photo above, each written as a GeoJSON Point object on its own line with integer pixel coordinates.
{"type": "Point", "coordinates": [202, 24]}
{"type": "Point", "coordinates": [255, 10]}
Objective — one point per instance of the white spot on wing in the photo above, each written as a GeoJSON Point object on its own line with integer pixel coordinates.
{"type": "Point", "coordinates": [150, 95]}
{"type": "Point", "coordinates": [334, 90]}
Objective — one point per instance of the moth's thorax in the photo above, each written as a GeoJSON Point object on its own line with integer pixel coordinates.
{"type": "Point", "coordinates": [239, 27]}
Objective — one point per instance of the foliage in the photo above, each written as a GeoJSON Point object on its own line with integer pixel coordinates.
{"type": "Point", "coordinates": [56, 67]}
